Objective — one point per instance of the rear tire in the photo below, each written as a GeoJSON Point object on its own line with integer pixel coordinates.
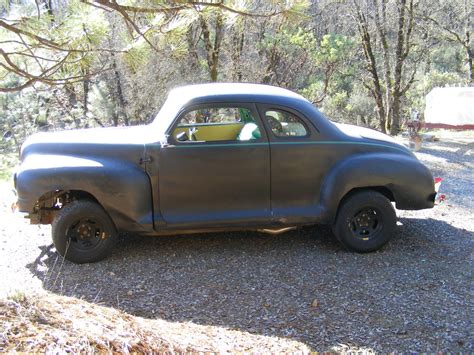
{"type": "Point", "coordinates": [365, 221]}
{"type": "Point", "coordinates": [83, 232]}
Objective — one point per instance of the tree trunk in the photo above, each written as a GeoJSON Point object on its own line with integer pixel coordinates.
{"type": "Point", "coordinates": [381, 23]}
{"type": "Point", "coordinates": [72, 100]}
{"type": "Point", "coordinates": [217, 46]}
{"type": "Point", "coordinates": [469, 12]}
{"type": "Point", "coordinates": [212, 49]}
{"type": "Point", "coordinates": [376, 88]}
{"type": "Point", "coordinates": [394, 127]}
{"type": "Point", "coordinates": [393, 124]}
{"type": "Point", "coordinates": [470, 66]}
{"type": "Point", "coordinates": [121, 99]}
{"type": "Point", "coordinates": [237, 47]}
{"type": "Point", "coordinates": [85, 87]}
{"type": "Point", "coordinates": [395, 48]}
{"type": "Point", "coordinates": [192, 50]}
{"type": "Point", "coordinates": [380, 109]}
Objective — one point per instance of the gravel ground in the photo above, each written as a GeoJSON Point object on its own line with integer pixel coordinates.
{"type": "Point", "coordinates": [416, 294]}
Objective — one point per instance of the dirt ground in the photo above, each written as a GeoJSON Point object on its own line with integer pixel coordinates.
{"type": "Point", "coordinates": [416, 294]}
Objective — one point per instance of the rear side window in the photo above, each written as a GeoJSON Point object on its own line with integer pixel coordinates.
{"type": "Point", "coordinates": [285, 124]}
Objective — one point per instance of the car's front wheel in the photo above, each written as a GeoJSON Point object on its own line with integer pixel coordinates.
{"type": "Point", "coordinates": [83, 232]}
{"type": "Point", "coordinates": [365, 221]}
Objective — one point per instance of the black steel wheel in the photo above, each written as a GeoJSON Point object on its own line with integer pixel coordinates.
{"type": "Point", "coordinates": [365, 221]}
{"type": "Point", "coordinates": [83, 232]}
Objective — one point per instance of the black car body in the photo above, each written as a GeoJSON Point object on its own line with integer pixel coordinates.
{"type": "Point", "coordinates": [189, 170]}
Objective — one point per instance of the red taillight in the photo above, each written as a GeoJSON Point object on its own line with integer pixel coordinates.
{"type": "Point", "coordinates": [437, 183]}
{"type": "Point", "coordinates": [440, 198]}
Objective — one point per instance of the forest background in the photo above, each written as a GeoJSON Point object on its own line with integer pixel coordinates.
{"type": "Point", "coordinates": [85, 63]}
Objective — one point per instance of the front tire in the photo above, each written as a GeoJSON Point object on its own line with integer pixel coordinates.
{"type": "Point", "coordinates": [365, 221]}
{"type": "Point", "coordinates": [83, 232]}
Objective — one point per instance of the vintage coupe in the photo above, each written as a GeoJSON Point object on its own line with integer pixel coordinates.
{"type": "Point", "coordinates": [219, 157]}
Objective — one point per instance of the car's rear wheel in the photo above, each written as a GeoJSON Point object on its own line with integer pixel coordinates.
{"type": "Point", "coordinates": [365, 221]}
{"type": "Point", "coordinates": [83, 232]}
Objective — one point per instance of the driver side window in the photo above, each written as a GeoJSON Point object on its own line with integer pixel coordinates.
{"type": "Point", "coordinates": [285, 124]}
{"type": "Point", "coordinates": [217, 124]}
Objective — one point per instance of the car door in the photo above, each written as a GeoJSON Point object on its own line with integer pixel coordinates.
{"type": "Point", "coordinates": [216, 169]}
{"type": "Point", "coordinates": [296, 172]}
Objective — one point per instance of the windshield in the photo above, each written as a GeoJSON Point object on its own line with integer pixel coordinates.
{"type": "Point", "coordinates": [167, 113]}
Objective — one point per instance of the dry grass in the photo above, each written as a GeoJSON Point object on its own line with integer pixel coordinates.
{"type": "Point", "coordinates": [58, 324]}
{"type": "Point", "coordinates": [54, 324]}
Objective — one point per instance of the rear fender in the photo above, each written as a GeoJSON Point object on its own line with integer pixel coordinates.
{"type": "Point", "coordinates": [409, 181]}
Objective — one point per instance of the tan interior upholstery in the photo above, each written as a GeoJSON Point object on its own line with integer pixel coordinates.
{"type": "Point", "coordinates": [212, 132]}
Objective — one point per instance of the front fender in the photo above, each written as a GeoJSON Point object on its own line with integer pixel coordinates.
{"type": "Point", "coordinates": [123, 189]}
{"type": "Point", "coordinates": [409, 181]}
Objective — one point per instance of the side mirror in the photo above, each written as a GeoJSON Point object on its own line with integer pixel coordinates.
{"type": "Point", "coordinates": [182, 137]}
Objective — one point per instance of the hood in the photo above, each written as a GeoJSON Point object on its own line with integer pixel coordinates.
{"type": "Point", "coordinates": [113, 135]}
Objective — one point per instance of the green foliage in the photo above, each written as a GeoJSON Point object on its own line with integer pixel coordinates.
{"type": "Point", "coordinates": [446, 59]}
{"type": "Point", "coordinates": [21, 116]}
{"type": "Point", "coordinates": [137, 56]}
{"type": "Point", "coordinates": [336, 106]}
{"type": "Point", "coordinates": [301, 38]}
{"type": "Point", "coordinates": [83, 27]}
{"type": "Point", "coordinates": [334, 48]}
{"type": "Point", "coordinates": [313, 90]}
{"type": "Point", "coordinates": [330, 57]}
{"type": "Point", "coordinates": [360, 108]}
{"type": "Point", "coordinates": [101, 103]}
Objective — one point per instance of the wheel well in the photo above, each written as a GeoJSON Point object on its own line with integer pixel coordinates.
{"type": "Point", "coordinates": [49, 203]}
{"type": "Point", "coordinates": [51, 198]}
{"type": "Point", "coordinates": [81, 195]}
{"type": "Point", "coordinates": [380, 189]}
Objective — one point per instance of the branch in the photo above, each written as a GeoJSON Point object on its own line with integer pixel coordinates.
{"type": "Point", "coordinates": [44, 77]}
{"type": "Point", "coordinates": [221, 5]}
{"type": "Point", "coordinates": [50, 44]}
{"type": "Point", "coordinates": [69, 80]}
{"type": "Point", "coordinates": [34, 56]}
{"type": "Point", "coordinates": [369, 88]}
{"type": "Point", "coordinates": [43, 41]}
{"type": "Point", "coordinates": [19, 87]}
{"type": "Point", "coordinates": [173, 9]}
{"type": "Point", "coordinates": [409, 83]}
{"type": "Point", "coordinates": [327, 78]}
{"type": "Point", "coordinates": [456, 36]}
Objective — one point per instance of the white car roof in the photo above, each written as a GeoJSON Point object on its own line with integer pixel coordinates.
{"type": "Point", "coordinates": [218, 89]}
